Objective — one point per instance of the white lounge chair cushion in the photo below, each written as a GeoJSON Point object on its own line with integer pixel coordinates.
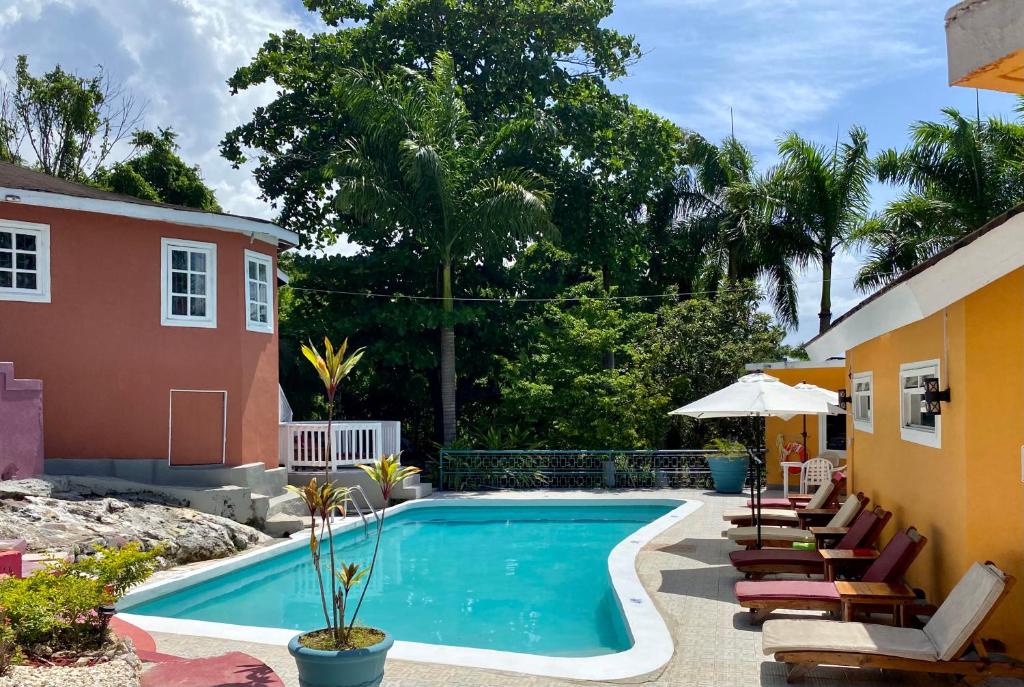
{"type": "Point", "coordinates": [860, 638]}
{"type": "Point", "coordinates": [771, 533]}
{"type": "Point", "coordinates": [964, 609]}
{"type": "Point", "coordinates": [821, 495]}
{"type": "Point", "coordinates": [846, 513]}
{"type": "Point", "coordinates": [777, 513]}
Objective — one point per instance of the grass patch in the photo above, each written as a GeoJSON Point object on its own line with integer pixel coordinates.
{"type": "Point", "coordinates": [359, 638]}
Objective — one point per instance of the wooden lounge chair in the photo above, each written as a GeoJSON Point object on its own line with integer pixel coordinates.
{"type": "Point", "coordinates": [787, 536]}
{"type": "Point", "coordinates": [813, 595]}
{"type": "Point", "coordinates": [949, 644]}
{"type": "Point", "coordinates": [798, 501]}
{"type": "Point", "coordinates": [863, 534]}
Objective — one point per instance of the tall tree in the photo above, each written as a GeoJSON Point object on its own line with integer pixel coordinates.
{"type": "Point", "coordinates": [64, 124]}
{"type": "Point", "coordinates": [958, 173]}
{"type": "Point", "coordinates": [726, 216]}
{"type": "Point", "coordinates": [823, 192]}
{"type": "Point", "coordinates": [157, 173]}
{"type": "Point", "coordinates": [419, 167]}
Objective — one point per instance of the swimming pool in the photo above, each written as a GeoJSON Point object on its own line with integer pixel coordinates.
{"type": "Point", "coordinates": [485, 576]}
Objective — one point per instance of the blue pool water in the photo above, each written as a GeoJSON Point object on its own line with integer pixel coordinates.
{"type": "Point", "coordinates": [530, 578]}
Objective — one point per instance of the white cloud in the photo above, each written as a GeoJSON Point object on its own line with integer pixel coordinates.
{"type": "Point", "coordinates": [174, 54]}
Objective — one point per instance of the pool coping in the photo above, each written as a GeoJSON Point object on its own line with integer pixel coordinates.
{"type": "Point", "coordinates": [652, 642]}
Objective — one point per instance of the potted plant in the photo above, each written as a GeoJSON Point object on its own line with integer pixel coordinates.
{"type": "Point", "coordinates": [341, 654]}
{"type": "Point", "coordinates": [728, 465]}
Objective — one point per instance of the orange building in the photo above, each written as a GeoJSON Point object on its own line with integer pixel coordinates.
{"type": "Point", "coordinates": [951, 465]}
{"type": "Point", "coordinates": [152, 327]}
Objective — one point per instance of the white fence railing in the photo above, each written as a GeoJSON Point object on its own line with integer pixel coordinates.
{"type": "Point", "coordinates": [303, 445]}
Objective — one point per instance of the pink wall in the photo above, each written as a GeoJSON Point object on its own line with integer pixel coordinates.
{"type": "Point", "coordinates": [21, 425]}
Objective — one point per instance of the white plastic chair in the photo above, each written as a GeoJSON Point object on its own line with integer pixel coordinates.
{"type": "Point", "coordinates": [815, 472]}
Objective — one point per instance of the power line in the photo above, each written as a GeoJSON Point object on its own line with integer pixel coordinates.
{"type": "Point", "coordinates": [557, 299]}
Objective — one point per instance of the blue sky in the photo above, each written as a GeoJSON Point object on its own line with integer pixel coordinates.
{"type": "Point", "coordinates": [804, 65]}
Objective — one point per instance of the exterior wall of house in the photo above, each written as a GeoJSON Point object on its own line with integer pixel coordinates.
{"type": "Point", "coordinates": [966, 495]}
{"type": "Point", "coordinates": [831, 378]}
{"type": "Point", "coordinates": [108, 364]}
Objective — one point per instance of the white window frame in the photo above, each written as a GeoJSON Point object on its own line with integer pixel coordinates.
{"type": "Point", "coordinates": [40, 294]}
{"type": "Point", "coordinates": [867, 425]}
{"type": "Point", "coordinates": [919, 435]}
{"type": "Point", "coordinates": [260, 259]}
{"type": "Point", "coordinates": [209, 321]}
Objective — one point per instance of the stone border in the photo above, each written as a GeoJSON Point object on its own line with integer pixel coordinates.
{"type": "Point", "coordinates": [652, 643]}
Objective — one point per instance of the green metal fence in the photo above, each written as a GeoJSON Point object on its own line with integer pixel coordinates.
{"type": "Point", "coordinates": [474, 470]}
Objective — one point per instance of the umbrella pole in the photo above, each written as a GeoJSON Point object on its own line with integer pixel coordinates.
{"type": "Point", "coordinates": [757, 474]}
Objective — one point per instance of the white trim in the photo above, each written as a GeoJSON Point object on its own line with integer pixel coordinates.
{"type": "Point", "coordinates": [170, 423]}
{"type": "Point", "coordinates": [260, 259]}
{"type": "Point", "coordinates": [652, 643]}
{"type": "Point", "coordinates": [915, 435]}
{"type": "Point", "coordinates": [209, 321]}
{"type": "Point", "coordinates": [41, 294]}
{"type": "Point", "coordinates": [264, 231]}
{"type": "Point", "coordinates": [973, 266]}
{"type": "Point", "coordinates": [869, 424]}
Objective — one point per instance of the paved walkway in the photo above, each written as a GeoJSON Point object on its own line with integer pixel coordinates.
{"type": "Point", "coordinates": [687, 571]}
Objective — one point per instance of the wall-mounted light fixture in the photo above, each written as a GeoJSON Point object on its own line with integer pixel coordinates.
{"type": "Point", "coordinates": [933, 397]}
{"type": "Point", "coordinates": [844, 399]}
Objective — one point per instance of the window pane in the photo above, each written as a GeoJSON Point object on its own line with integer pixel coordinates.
{"type": "Point", "coordinates": [253, 289]}
{"type": "Point", "coordinates": [197, 284]}
{"type": "Point", "coordinates": [179, 259]}
{"type": "Point", "coordinates": [5, 279]}
{"type": "Point", "coordinates": [5, 239]}
{"type": "Point", "coordinates": [179, 282]}
{"type": "Point", "coordinates": [25, 261]}
{"type": "Point", "coordinates": [199, 307]}
{"type": "Point", "coordinates": [262, 294]}
{"type": "Point", "coordinates": [25, 242]}
{"type": "Point", "coordinates": [254, 312]}
{"type": "Point", "coordinates": [263, 314]}
{"type": "Point", "coordinates": [252, 270]}
{"type": "Point", "coordinates": [25, 280]}
{"type": "Point", "coordinates": [6, 260]}
{"type": "Point", "coordinates": [263, 272]}
{"type": "Point", "coordinates": [198, 262]}
{"type": "Point", "coordinates": [179, 305]}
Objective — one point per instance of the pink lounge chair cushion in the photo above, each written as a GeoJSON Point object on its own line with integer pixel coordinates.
{"type": "Point", "coordinates": [809, 590]}
{"type": "Point", "coordinates": [893, 562]}
{"type": "Point", "coordinates": [774, 557]}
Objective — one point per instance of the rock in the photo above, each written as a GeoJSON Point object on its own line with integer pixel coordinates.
{"type": "Point", "coordinates": [124, 670]}
{"type": "Point", "coordinates": [37, 511]}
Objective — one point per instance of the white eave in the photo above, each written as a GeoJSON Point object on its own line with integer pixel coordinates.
{"type": "Point", "coordinates": [264, 231]}
{"type": "Point", "coordinates": [796, 365]}
{"type": "Point", "coordinates": [978, 262]}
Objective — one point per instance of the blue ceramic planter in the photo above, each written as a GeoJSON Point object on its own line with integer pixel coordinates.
{"type": "Point", "coordinates": [729, 475]}
{"type": "Point", "coordinates": [356, 668]}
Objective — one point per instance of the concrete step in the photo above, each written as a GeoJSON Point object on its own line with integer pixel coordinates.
{"type": "Point", "coordinates": [412, 488]}
{"type": "Point", "coordinates": [283, 525]}
{"type": "Point", "coordinates": [286, 504]}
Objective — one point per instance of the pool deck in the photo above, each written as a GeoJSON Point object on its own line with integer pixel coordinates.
{"type": "Point", "coordinates": [686, 571]}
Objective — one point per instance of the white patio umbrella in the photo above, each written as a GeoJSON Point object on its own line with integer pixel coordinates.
{"type": "Point", "coordinates": [757, 395]}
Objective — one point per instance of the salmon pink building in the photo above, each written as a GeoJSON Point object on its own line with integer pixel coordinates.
{"type": "Point", "coordinates": [151, 327]}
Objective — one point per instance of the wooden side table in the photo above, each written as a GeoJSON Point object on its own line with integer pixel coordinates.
{"type": "Point", "coordinates": [899, 596]}
{"type": "Point", "coordinates": [837, 558]}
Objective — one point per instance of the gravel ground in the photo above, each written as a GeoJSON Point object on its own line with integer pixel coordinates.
{"type": "Point", "coordinates": [124, 671]}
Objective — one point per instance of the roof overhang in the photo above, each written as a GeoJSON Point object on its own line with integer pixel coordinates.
{"type": "Point", "coordinates": [978, 260]}
{"type": "Point", "coordinates": [796, 365]}
{"type": "Point", "coordinates": [985, 43]}
{"type": "Point", "coordinates": [263, 231]}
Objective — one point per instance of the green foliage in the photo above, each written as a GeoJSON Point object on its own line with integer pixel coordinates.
{"type": "Point", "coordinates": [958, 174]}
{"type": "Point", "coordinates": [56, 606]}
{"type": "Point", "coordinates": [68, 122]}
{"type": "Point", "coordinates": [10, 652]}
{"type": "Point", "coordinates": [157, 173]}
{"type": "Point", "coordinates": [729, 448]}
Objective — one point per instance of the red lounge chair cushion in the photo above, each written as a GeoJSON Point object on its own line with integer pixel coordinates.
{"type": "Point", "coordinates": [774, 557]}
{"type": "Point", "coordinates": [786, 589]}
{"type": "Point", "coordinates": [10, 563]}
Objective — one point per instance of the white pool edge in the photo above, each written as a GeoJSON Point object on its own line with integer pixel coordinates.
{"type": "Point", "coordinates": [652, 642]}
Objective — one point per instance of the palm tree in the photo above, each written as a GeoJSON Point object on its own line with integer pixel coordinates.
{"type": "Point", "coordinates": [726, 215]}
{"type": "Point", "coordinates": [960, 173]}
{"type": "Point", "coordinates": [420, 168]}
{"type": "Point", "coordinates": [823, 192]}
